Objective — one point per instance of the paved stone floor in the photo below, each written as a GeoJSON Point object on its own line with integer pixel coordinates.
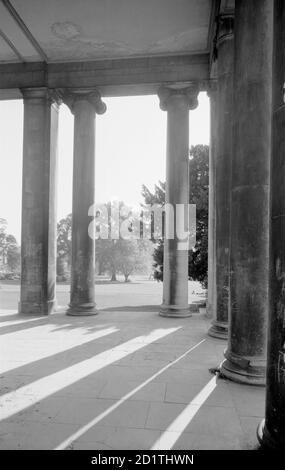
{"type": "Point", "coordinates": [125, 379]}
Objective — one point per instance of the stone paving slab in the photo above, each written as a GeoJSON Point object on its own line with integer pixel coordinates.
{"type": "Point", "coordinates": [144, 397]}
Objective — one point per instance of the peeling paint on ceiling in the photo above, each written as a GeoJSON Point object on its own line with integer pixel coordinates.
{"type": "Point", "coordinates": [69, 30]}
{"type": "Point", "coordinates": [65, 30]}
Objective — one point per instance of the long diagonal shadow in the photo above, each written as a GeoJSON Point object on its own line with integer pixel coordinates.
{"type": "Point", "coordinates": [16, 401]}
{"type": "Point", "coordinates": [20, 324]}
{"type": "Point", "coordinates": [54, 362]}
{"type": "Point", "coordinates": [16, 322]}
{"type": "Point", "coordinates": [7, 317]}
{"type": "Point", "coordinates": [171, 435]}
{"type": "Point", "coordinates": [36, 428]}
{"type": "Point", "coordinates": [116, 405]}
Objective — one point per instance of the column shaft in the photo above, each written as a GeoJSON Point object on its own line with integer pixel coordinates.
{"type": "Point", "coordinates": [249, 245]}
{"type": "Point", "coordinates": [82, 298]}
{"type": "Point", "coordinates": [175, 262]}
{"type": "Point", "coordinates": [211, 300]}
{"type": "Point", "coordinates": [272, 433]}
{"type": "Point", "coordinates": [38, 245]}
{"type": "Point", "coordinates": [225, 47]}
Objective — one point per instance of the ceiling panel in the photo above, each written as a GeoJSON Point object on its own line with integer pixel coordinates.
{"type": "Point", "coordinates": [91, 29]}
{"type": "Point", "coordinates": [16, 36]}
{"type": "Point", "coordinates": [6, 53]}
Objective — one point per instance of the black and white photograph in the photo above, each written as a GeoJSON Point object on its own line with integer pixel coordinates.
{"type": "Point", "coordinates": [142, 230]}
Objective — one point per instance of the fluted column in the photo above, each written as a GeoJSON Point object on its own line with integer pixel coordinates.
{"type": "Point", "coordinates": [271, 432]}
{"type": "Point", "coordinates": [84, 105]}
{"type": "Point", "coordinates": [249, 260]}
{"type": "Point", "coordinates": [177, 102]}
{"type": "Point", "coordinates": [38, 240]}
{"type": "Point", "coordinates": [211, 300]}
{"type": "Point", "coordinates": [225, 48]}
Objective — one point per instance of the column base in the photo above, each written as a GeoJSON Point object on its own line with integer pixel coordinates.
{"type": "Point", "coordinates": [82, 310]}
{"type": "Point", "coordinates": [266, 440]}
{"type": "Point", "coordinates": [240, 370]}
{"type": "Point", "coordinates": [174, 311]}
{"type": "Point", "coordinates": [34, 308]}
{"type": "Point", "coordinates": [219, 330]}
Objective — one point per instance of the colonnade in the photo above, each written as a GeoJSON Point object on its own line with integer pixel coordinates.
{"type": "Point", "coordinates": [246, 220]}
{"type": "Point", "coordinates": [246, 208]}
{"type": "Point", "coordinates": [38, 277]}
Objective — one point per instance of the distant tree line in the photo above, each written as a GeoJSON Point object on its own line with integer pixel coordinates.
{"type": "Point", "coordinates": [10, 258]}
{"type": "Point", "coordinates": [127, 257]}
{"type": "Point", "coordinates": [113, 256]}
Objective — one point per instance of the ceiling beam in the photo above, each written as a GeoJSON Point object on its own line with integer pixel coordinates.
{"type": "Point", "coordinates": [22, 75]}
{"type": "Point", "coordinates": [11, 45]}
{"type": "Point", "coordinates": [112, 77]}
{"type": "Point", "coordinates": [16, 17]}
{"type": "Point", "coordinates": [125, 72]}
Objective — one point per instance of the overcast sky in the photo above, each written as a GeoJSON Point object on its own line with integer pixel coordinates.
{"type": "Point", "coordinates": [130, 151]}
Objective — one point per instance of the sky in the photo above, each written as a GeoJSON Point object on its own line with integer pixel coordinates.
{"type": "Point", "coordinates": [130, 152]}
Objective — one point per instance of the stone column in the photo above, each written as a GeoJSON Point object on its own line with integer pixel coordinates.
{"type": "Point", "coordinates": [211, 300]}
{"type": "Point", "coordinates": [177, 102]}
{"type": "Point", "coordinates": [225, 48]}
{"type": "Point", "coordinates": [249, 260]}
{"type": "Point", "coordinates": [271, 432]}
{"type": "Point", "coordinates": [84, 105]}
{"type": "Point", "coordinates": [38, 245]}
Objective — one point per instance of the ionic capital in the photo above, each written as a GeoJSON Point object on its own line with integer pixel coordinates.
{"type": "Point", "coordinates": [42, 93]}
{"type": "Point", "coordinates": [189, 95]}
{"type": "Point", "coordinates": [93, 97]}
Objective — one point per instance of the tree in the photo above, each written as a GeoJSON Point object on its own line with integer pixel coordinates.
{"type": "Point", "coordinates": [64, 249]}
{"type": "Point", "coordinates": [129, 256]}
{"type": "Point", "coordinates": [102, 248]}
{"type": "Point", "coordinates": [122, 255]}
{"type": "Point", "coordinates": [199, 187]}
{"type": "Point", "coordinates": [106, 254]}
{"type": "Point", "coordinates": [64, 233]}
{"type": "Point", "coordinates": [158, 261]}
{"type": "Point", "coordinates": [199, 195]}
{"type": "Point", "coordinates": [106, 250]}
{"type": "Point", "coordinates": [13, 255]}
{"type": "Point", "coordinates": [158, 197]}
{"type": "Point", "coordinates": [9, 250]}
{"type": "Point", "coordinates": [3, 228]}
